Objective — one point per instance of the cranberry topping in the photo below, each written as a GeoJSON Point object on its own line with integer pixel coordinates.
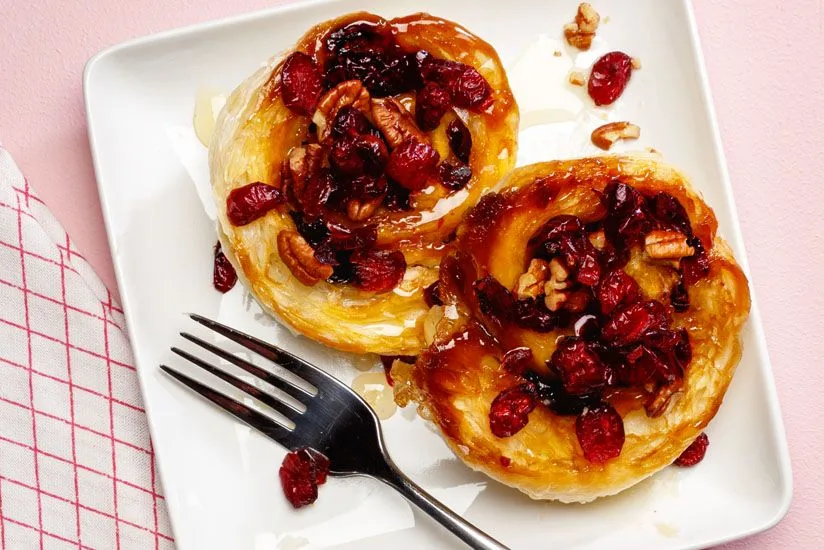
{"type": "Point", "coordinates": [510, 410]}
{"type": "Point", "coordinates": [670, 212]}
{"type": "Point", "coordinates": [496, 301]}
{"type": "Point", "coordinates": [250, 202]}
{"type": "Point", "coordinates": [454, 175]}
{"type": "Point", "coordinates": [695, 267]}
{"type": "Point", "coordinates": [412, 163]}
{"type": "Point", "coordinates": [628, 218]}
{"type": "Point", "coordinates": [301, 83]}
{"type": "Point", "coordinates": [460, 140]}
{"type": "Point", "coordinates": [609, 77]}
{"type": "Point", "coordinates": [679, 298]}
{"type": "Point", "coordinates": [378, 270]}
{"type": "Point", "coordinates": [600, 432]}
{"type": "Point", "coordinates": [300, 474]}
{"type": "Point", "coordinates": [616, 288]}
{"type": "Point", "coordinates": [628, 324]}
{"type": "Point", "coordinates": [224, 276]}
{"type": "Point", "coordinates": [359, 37]}
{"type": "Point", "coordinates": [505, 461]}
{"type": "Point", "coordinates": [563, 236]}
{"type": "Point", "coordinates": [359, 154]}
{"type": "Point", "coordinates": [517, 360]}
{"type": "Point", "coordinates": [318, 191]}
{"type": "Point", "coordinates": [432, 103]}
{"type": "Point", "coordinates": [469, 89]}
{"type": "Point", "coordinates": [350, 122]}
{"type": "Point", "coordinates": [580, 367]}
{"type": "Point", "coordinates": [694, 453]}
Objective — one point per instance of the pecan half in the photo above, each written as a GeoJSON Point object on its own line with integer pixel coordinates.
{"type": "Point", "coordinates": [395, 122]}
{"type": "Point", "coordinates": [604, 136]}
{"type": "Point", "coordinates": [348, 93]}
{"type": "Point", "coordinates": [298, 166]}
{"type": "Point", "coordinates": [531, 283]}
{"type": "Point", "coordinates": [556, 287]}
{"type": "Point", "coordinates": [667, 244]}
{"type": "Point", "coordinates": [581, 32]}
{"type": "Point", "coordinates": [299, 257]}
{"type": "Point", "coordinates": [358, 211]}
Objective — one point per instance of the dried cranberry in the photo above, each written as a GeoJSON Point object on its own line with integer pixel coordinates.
{"type": "Point", "coordinates": [628, 218]}
{"type": "Point", "coordinates": [350, 122]}
{"type": "Point", "coordinates": [460, 139]}
{"type": "Point", "coordinates": [609, 77]}
{"type": "Point", "coordinates": [600, 432]}
{"type": "Point", "coordinates": [224, 276]}
{"type": "Point", "coordinates": [629, 323]}
{"type": "Point", "coordinates": [454, 175]}
{"type": "Point", "coordinates": [301, 473]}
{"type": "Point", "coordinates": [378, 270]}
{"type": "Point", "coordinates": [494, 299]}
{"type": "Point", "coordinates": [312, 229]}
{"type": "Point", "coordinates": [643, 365]}
{"type": "Point", "coordinates": [617, 288]}
{"type": "Point", "coordinates": [469, 89]}
{"type": "Point", "coordinates": [532, 314]}
{"type": "Point", "coordinates": [397, 197]}
{"type": "Point", "coordinates": [564, 236]}
{"type": "Point", "coordinates": [517, 360]}
{"type": "Point", "coordinates": [411, 163]}
{"type": "Point", "coordinates": [695, 267]}
{"type": "Point", "coordinates": [317, 191]}
{"type": "Point", "coordinates": [250, 202]}
{"type": "Point", "coordinates": [367, 187]}
{"type": "Point", "coordinates": [551, 393]}
{"type": "Point", "coordinates": [671, 213]}
{"type": "Point", "coordinates": [694, 453]}
{"type": "Point", "coordinates": [432, 294]}
{"type": "Point", "coordinates": [343, 237]}
{"type": "Point", "coordinates": [301, 83]}
{"type": "Point", "coordinates": [383, 73]}
{"type": "Point", "coordinates": [359, 37]}
{"type": "Point", "coordinates": [510, 410]}
{"type": "Point", "coordinates": [360, 154]}
{"type": "Point", "coordinates": [679, 298]}
{"type": "Point", "coordinates": [580, 368]}
{"type": "Point", "coordinates": [505, 461]}
{"type": "Point", "coordinates": [431, 104]}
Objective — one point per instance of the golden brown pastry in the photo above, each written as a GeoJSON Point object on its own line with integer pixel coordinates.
{"type": "Point", "coordinates": [589, 324]}
{"type": "Point", "coordinates": [340, 168]}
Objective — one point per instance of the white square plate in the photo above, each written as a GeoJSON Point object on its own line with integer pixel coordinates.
{"type": "Point", "coordinates": [220, 477]}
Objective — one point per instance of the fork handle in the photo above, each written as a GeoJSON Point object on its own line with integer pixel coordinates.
{"type": "Point", "coordinates": [468, 533]}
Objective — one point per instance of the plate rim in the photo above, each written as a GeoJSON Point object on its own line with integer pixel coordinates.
{"type": "Point", "coordinates": [97, 62]}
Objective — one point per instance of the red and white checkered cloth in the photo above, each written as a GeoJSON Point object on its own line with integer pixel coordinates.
{"type": "Point", "coordinates": [77, 468]}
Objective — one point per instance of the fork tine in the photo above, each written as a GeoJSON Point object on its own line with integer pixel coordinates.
{"type": "Point", "coordinates": [268, 377]}
{"type": "Point", "coordinates": [296, 365]}
{"type": "Point", "coordinates": [249, 416]}
{"type": "Point", "coordinates": [282, 407]}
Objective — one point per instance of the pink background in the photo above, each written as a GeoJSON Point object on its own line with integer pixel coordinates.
{"type": "Point", "coordinates": [766, 67]}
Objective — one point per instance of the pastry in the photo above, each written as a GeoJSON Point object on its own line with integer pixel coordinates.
{"type": "Point", "coordinates": [585, 328]}
{"type": "Point", "coordinates": [341, 167]}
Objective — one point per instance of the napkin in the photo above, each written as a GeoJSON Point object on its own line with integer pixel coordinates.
{"type": "Point", "coordinates": [77, 469]}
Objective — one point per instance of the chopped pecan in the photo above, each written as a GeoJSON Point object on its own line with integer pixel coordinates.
{"type": "Point", "coordinates": [667, 244]}
{"type": "Point", "coordinates": [556, 287]}
{"type": "Point", "coordinates": [298, 166]}
{"type": "Point", "coordinates": [348, 93]}
{"type": "Point", "coordinates": [604, 136]}
{"type": "Point", "coordinates": [581, 32]}
{"type": "Point", "coordinates": [360, 210]}
{"type": "Point", "coordinates": [531, 283]}
{"type": "Point", "coordinates": [395, 122]}
{"type": "Point", "coordinates": [299, 257]}
{"type": "Point", "coordinates": [577, 78]}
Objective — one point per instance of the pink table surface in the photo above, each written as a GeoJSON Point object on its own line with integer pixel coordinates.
{"type": "Point", "coordinates": [767, 73]}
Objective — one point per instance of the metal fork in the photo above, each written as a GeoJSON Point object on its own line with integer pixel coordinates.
{"type": "Point", "coordinates": [336, 421]}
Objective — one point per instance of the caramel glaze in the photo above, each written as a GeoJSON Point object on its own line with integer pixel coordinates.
{"type": "Point", "coordinates": [458, 376]}
{"type": "Point", "coordinates": [436, 211]}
